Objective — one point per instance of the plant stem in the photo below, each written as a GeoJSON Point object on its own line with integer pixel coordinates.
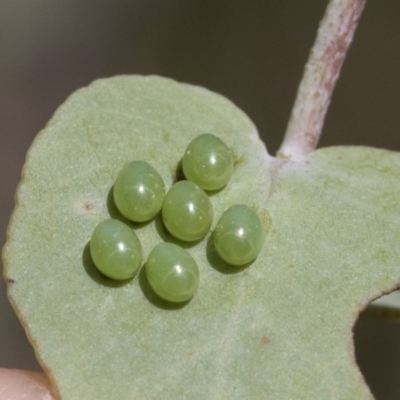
{"type": "Point", "coordinates": [334, 37]}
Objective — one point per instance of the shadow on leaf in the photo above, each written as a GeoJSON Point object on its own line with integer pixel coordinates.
{"type": "Point", "coordinates": [178, 174]}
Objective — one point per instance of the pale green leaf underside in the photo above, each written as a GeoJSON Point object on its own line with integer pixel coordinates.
{"type": "Point", "coordinates": [280, 329]}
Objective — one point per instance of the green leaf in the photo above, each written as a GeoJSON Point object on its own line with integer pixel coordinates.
{"type": "Point", "coordinates": [278, 329]}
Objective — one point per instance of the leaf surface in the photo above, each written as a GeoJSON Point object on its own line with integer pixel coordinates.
{"type": "Point", "coordinates": [279, 329]}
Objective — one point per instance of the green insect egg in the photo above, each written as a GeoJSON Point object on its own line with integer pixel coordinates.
{"type": "Point", "coordinates": [115, 249]}
{"type": "Point", "coordinates": [172, 272]}
{"type": "Point", "coordinates": [208, 162]}
{"type": "Point", "coordinates": [187, 211]}
{"type": "Point", "coordinates": [139, 191]}
{"type": "Point", "coordinates": [239, 235]}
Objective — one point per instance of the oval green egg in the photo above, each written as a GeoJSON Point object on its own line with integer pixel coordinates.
{"type": "Point", "coordinates": [172, 272]}
{"type": "Point", "coordinates": [115, 249]}
{"type": "Point", "coordinates": [187, 211]}
{"type": "Point", "coordinates": [239, 235]}
{"type": "Point", "coordinates": [208, 162]}
{"type": "Point", "coordinates": [139, 191]}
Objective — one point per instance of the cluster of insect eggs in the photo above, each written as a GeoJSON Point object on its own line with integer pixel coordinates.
{"type": "Point", "coordinates": [187, 213]}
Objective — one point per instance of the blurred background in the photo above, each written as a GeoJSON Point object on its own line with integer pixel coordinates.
{"type": "Point", "coordinates": [251, 51]}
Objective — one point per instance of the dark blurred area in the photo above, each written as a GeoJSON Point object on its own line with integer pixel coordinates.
{"type": "Point", "coordinates": [253, 52]}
